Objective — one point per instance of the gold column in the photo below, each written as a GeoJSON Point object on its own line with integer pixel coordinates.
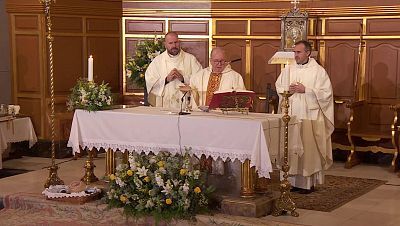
{"type": "Point", "coordinates": [53, 178]}
{"type": "Point", "coordinates": [285, 203]}
{"type": "Point", "coordinates": [247, 179]}
{"type": "Point", "coordinates": [89, 176]}
{"type": "Point", "coordinates": [110, 162]}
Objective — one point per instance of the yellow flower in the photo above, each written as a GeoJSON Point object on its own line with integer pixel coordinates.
{"type": "Point", "coordinates": [168, 201]}
{"type": "Point", "coordinates": [112, 177]}
{"type": "Point", "coordinates": [197, 190]}
{"type": "Point", "coordinates": [129, 172]}
{"type": "Point", "coordinates": [147, 179]}
{"type": "Point", "coordinates": [160, 164]}
{"type": "Point", "coordinates": [123, 198]}
{"type": "Point", "coordinates": [141, 75]}
{"type": "Point", "coordinates": [183, 172]}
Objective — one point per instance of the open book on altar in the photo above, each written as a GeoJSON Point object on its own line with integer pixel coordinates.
{"type": "Point", "coordinates": [232, 99]}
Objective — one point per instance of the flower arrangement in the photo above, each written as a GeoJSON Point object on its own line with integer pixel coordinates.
{"type": "Point", "coordinates": [89, 96]}
{"type": "Point", "coordinates": [146, 51]}
{"type": "Point", "coordinates": [164, 186]}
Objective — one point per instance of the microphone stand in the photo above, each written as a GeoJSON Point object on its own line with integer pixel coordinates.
{"type": "Point", "coordinates": [181, 112]}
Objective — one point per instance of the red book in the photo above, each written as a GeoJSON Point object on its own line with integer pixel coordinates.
{"type": "Point", "coordinates": [232, 99]}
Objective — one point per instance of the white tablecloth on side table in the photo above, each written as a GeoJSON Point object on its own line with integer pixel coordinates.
{"type": "Point", "coordinates": [16, 130]}
{"type": "Point", "coordinates": [236, 135]}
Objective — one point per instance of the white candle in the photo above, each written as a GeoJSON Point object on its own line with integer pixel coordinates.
{"type": "Point", "coordinates": [286, 78]}
{"type": "Point", "coordinates": [90, 68]}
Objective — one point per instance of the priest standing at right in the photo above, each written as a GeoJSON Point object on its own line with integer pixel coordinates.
{"type": "Point", "coordinates": [312, 104]}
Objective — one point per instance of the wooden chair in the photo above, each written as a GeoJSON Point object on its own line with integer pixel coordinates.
{"type": "Point", "coordinates": [272, 100]}
{"type": "Point", "coordinates": [373, 126]}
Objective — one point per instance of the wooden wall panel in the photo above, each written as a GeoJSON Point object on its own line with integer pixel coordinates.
{"type": "Point", "coordinates": [197, 47]}
{"type": "Point", "coordinates": [106, 56]}
{"type": "Point", "coordinates": [235, 49]}
{"type": "Point", "coordinates": [25, 22]}
{"type": "Point", "coordinates": [68, 63]}
{"type": "Point", "coordinates": [265, 27]}
{"type": "Point", "coordinates": [382, 70]}
{"type": "Point", "coordinates": [189, 27]}
{"type": "Point", "coordinates": [32, 107]}
{"type": "Point", "coordinates": [343, 27]}
{"type": "Point", "coordinates": [27, 63]}
{"type": "Point", "coordinates": [67, 24]}
{"type": "Point", "coordinates": [145, 26]}
{"type": "Point", "coordinates": [263, 73]}
{"type": "Point", "coordinates": [385, 26]}
{"type": "Point", "coordinates": [341, 58]}
{"type": "Point", "coordinates": [102, 26]}
{"type": "Point", "coordinates": [231, 27]}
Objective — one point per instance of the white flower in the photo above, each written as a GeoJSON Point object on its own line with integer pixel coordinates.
{"type": "Point", "coordinates": [119, 182]}
{"type": "Point", "coordinates": [159, 180]}
{"type": "Point", "coordinates": [185, 188]}
{"type": "Point", "coordinates": [149, 204]}
{"type": "Point", "coordinates": [142, 172]}
{"type": "Point", "coordinates": [152, 160]}
{"type": "Point", "coordinates": [167, 188]}
{"type": "Point", "coordinates": [196, 174]}
{"type": "Point", "coordinates": [162, 170]}
{"type": "Point", "coordinates": [175, 182]}
{"type": "Point", "coordinates": [128, 73]}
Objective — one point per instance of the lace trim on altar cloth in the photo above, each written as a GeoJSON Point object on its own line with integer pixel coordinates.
{"type": "Point", "coordinates": [216, 153]}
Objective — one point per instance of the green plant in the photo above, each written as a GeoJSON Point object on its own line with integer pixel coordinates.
{"type": "Point", "coordinates": [89, 96]}
{"type": "Point", "coordinates": [146, 51]}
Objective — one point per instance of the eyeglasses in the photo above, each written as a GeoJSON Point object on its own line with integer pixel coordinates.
{"type": "Point", "coordinates": [218, 61]}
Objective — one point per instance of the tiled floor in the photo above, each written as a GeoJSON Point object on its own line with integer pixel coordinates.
{"type": "Point", "coordinates": [379, 207]}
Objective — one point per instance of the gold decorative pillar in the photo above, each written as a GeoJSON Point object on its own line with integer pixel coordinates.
{"type": "Point", "coordinates": [110, 162]}
{"type": "Point", "coordinates": [89, 176]}
{"type": "Point", "coordinates": [285, 203]}
{"type": "Point", "coordinates": [247, 180]}
{"type": "Point", "coordinates": [53, 178]}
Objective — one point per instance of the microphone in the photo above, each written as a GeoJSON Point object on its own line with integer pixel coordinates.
{"type": "Point", "coordinates": [181, 112]}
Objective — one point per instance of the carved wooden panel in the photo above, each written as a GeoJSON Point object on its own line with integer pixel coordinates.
{"type": "Point", "coordinates": [265, 27]}
{"type": "Point", "coordinates": [24, 22]}
{"type": "Point", "coordinates": [106, 54]}
{"type": "Point", "coordinates": [262, 72]}
{"type": "Point", "coordinates": [197, 47]}
{"type": "Point", "coordinates": [68, 63]}
{"type": "Point", "coordinates": [383, 70]}
{"type": "Point", "coordinates": [102, 26]}
{"type": "Point", "coordinates": [341, 60]}
{"type": "Point", "coordinates": [343, 27]}
{"type": "Point", "coordinates": [184, 27]}
{"type": "Point", "coordinates": [387, 26]}
{"type": "Point", "coordinates": [27, 63]}
{"type": "Point", "coordinates": [67, 24]}
{"type": "Point", "coordinates": [235, 50]}
{"type": "Point", "coordinates": [32, 108]}
{"type": "Point", "coordinates": [145, 27]}
{"type": "Point", "coordinates": [231, 27]}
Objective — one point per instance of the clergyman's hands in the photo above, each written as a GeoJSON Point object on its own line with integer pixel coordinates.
{"type": "Point", "coordinates": [297, 88]}
{"type": "Point", "coordinates": [174, 74]}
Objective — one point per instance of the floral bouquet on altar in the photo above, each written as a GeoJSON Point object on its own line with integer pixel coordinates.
{"type": "Point", "coordinates": [164, 186]}
{"type": "Point", "coordinates": [89, 96]}
{"type": "Point", "coordinates": [146, 51]}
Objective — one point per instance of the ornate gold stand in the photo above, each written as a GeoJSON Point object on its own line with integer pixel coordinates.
{"type": "Point", "coordinates": [53, 178]}
{"type": "Point", "coordinates": [89, 176]}
{"type": "Point", "coordinates": [285, 203]}
{"type": "Point", "coordinates": [247, 180]}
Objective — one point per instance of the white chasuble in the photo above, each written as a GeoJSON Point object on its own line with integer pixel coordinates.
{"type": "Point", "coordinates": [314, 109]}
{"type": "Point", "coordinates": [168, 95]}
{"type": "Point", "coordinates": [230, 80]}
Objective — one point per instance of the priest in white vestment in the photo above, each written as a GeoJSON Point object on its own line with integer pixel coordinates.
{"type": "Point", "coordinates": [312, 104]}
{"type": "Point", "coordinates": [167, 72]}
{"type": "Point", "coordinates": [218, 77]}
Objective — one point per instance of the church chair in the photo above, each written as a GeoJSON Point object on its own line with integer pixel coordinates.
{"type": "Point", "coordinates": [373, 126]}
{"type": "Point", "coordinates": [272, 100]}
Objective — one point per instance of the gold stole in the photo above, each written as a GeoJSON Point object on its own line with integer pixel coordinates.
{"type": "Point", "coordinates": [213, 85]}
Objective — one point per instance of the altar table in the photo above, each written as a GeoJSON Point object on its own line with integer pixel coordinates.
{"type": "Point", "coordinates": [15, 130]}
{"type": "Point", "coordinates": [256, 137]}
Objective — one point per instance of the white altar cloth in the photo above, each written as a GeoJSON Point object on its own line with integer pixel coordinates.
{"type": "Point", "coordinates": [236, 135]}
{"type": "Point", "coordinates": [16, 130]}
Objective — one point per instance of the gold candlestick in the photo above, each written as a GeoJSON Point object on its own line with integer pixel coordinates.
{"type": "Point", "coordinates": [53, 178]}
{"type": "Point", "coordinates": [89, 176]}
{"type": "Point", "coordinates": [285, 203]}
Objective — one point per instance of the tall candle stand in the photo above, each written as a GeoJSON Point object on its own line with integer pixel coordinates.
{"type": "Point", "coordinates": [285, 203]}
{"type": "Point", "coordinates": [53, 178]}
